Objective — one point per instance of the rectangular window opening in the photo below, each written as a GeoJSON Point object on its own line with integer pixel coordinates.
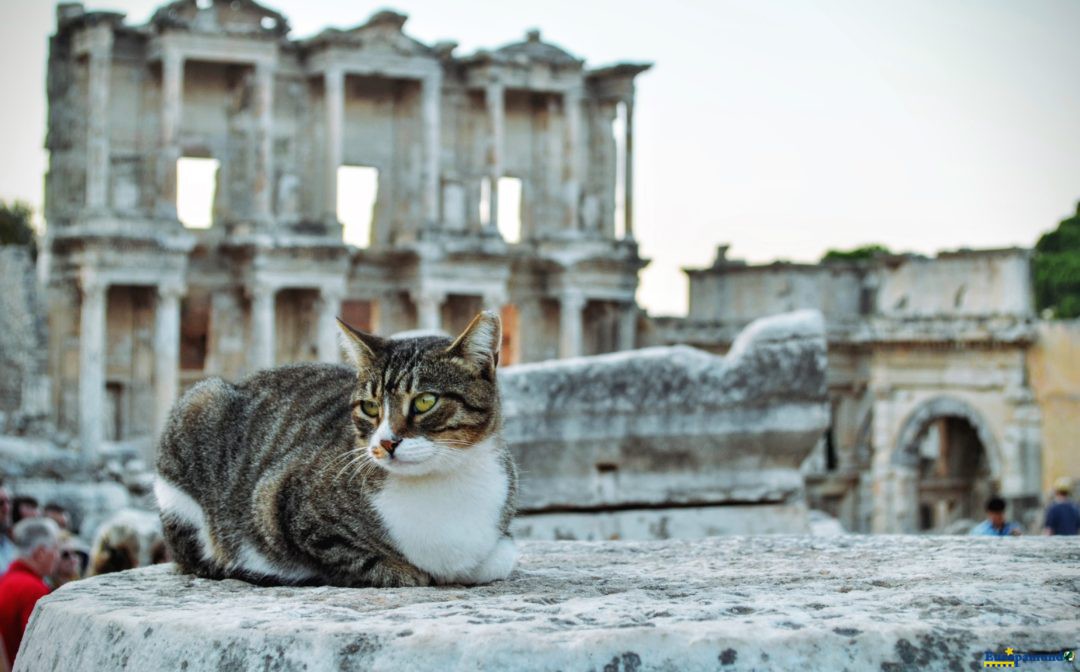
{"type": "Point", "coordinates": [358, 190]}
{"type": "Point", "coordinates": [618, 129]}
{"type": "Point", "coordinates": [510, 209]}
{"type": "Point", "coordinates": [196, 184]}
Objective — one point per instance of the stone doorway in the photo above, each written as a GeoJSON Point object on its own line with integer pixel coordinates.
{"type": "Point", "coordinates": [953, 475]}
{"type": "Point", "coordinates": [946, 465]}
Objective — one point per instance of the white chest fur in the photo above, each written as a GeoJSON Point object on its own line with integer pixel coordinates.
{"type": "Point", "coordinates": [447, 524]}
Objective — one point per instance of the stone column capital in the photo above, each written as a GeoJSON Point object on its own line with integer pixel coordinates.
{"type": "Point", "coordinates": [572, 299]}
{"type": "Point", "coordinates": [92, 285]}
{"type": "Point", "coordinates": [419, 296]}
{"type": "Point", "coordinates": [171, 290]}
{"type": "Point", "coordinates": [334, 291]}
{"type": "Point", "coordinates": [261, 292]}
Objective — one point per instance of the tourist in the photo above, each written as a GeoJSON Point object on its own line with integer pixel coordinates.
{"type": "Point", "coordinates": [7, 547]}
{"type": "Point", "coordinates": [70, 567]}
{"type": "Point", "coordinates": [24, 507]}
{"type": "Point", "coordinates": [116, 548]}
{"type": "Point", "coordinates": [1063, 515]}
{"type": "Point", "coordinates": [995, 524]}
{"type": "Point", "coordinates": [59, 514]}
{"type": "Point", "coordinates": [24, 582]}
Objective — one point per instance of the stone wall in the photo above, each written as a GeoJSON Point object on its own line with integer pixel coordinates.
{"type": "Point", "coordinates": [1054, 367]}
{"type": "Point", "coordinates": [743, 603]}
{"type": "Point", "coordinates": [670, 441]}
{"type": "Point", "coordinates": [23, 385]}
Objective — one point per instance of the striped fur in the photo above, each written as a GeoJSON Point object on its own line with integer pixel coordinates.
{"type": "Point", "coordinates": [281, 479]}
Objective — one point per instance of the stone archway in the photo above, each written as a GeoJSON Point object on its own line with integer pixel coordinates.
{"type": "Point", "coordinates": [952, 459]}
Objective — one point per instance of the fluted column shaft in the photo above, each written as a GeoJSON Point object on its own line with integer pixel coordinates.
{"type": "Point", "coordinates": [571, 305]}
{"type": "Point", "coordinates": [262, 185]}
{"type": "Point", "coordinates": [495, 96]}
{"type": "Point", "coordinates": [432, 96]}
{"type": "Point", "coordinates": [92, 365]}
{"type": "Point", "coordinates": [166, 351]}
{"type": "Point", "coordinates": [99, 66]}
{"type": "Point", "coordinates": [335, 121]}
{"type": "Point", "coordinates": [329, 308]}
{"type": "Point", "coordinates": [172, 104]}
{"type": "Point", "coordinates": [262, 327]}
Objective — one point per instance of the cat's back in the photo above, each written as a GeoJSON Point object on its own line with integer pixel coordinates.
{"type": "Point", "coordinates": [216, 423]}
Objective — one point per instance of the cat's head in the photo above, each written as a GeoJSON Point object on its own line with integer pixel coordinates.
{"type": "Point", "coordinates": [422, 403]}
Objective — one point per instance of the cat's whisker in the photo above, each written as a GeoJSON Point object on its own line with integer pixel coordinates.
{"type": "Point", "coordinates": [351, 456]}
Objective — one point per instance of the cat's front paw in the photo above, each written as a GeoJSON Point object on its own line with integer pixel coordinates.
{"type": "Point", "coordinates": [390, 574]}
{"type": "Point", "coordinates": [497, 566]}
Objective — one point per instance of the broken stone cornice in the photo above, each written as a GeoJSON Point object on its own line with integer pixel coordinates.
{"type": "Point", "coordinates": [734, 603]}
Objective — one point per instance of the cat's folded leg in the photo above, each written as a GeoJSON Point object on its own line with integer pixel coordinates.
{"type": "Point", "coordinates": [496, 566]}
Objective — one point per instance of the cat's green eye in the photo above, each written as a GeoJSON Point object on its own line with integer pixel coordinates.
{"type": "Point", "coordinates": [424, 402]}
{"type": "Point", "coordinates": [370, 408]}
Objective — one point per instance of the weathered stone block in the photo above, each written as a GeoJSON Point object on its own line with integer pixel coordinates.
{"type": "Point", "coordinates": [671, 425]}
{"type": "Point", "coordinates": [738, 603]}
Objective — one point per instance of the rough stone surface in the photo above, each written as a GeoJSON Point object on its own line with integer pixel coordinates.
{"type": "Point", "coordinates": [846, 603]}
{"type": "Point", "coordinates": [22, 343]}
{"type": "Point", "coordinates": [672, 425]}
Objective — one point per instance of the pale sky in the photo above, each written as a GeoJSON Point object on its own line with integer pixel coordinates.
{"type": "Point", "coordinates": [782, 127]}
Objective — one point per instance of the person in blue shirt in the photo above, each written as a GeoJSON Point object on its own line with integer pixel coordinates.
{"type": "Point", "coordinates": [1063, 515]}
{"type": "Point", "coordinates": [995, 524]}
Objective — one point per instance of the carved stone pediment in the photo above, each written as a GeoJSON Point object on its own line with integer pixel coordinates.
{"type": "Point", "coordinates": [534, 50]}
{"type": "Point", "coordinates": [382, 34]}
{"type": "Point", "coordinates": [229, 17]}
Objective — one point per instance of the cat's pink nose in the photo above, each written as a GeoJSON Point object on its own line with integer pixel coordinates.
{"type": "Point", "coordinates": [390, 445]}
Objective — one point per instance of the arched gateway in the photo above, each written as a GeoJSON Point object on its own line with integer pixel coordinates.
{"type": "Point", "coordinates": [951, 451]}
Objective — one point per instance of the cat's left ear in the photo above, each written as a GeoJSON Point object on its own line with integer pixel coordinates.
{"type": "Point", "coordinates": [479, 343]}
{"type": "Point", "coordinates": [361, 348]}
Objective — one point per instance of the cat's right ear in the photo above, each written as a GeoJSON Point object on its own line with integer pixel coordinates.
{"type": "Point", "coordinates": [361, 348]}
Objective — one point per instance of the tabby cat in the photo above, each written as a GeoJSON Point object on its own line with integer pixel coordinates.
{"type": "Point", "coordinates": [388, 473]}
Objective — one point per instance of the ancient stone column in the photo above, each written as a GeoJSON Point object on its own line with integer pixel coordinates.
{"type": "Point", "coordinates": [572, 157]}
{"type": "Point", "coordinates": [628, 326]}
{"type": "Point", "coordinates": [262, 186]}
{"type": "Point", "coordinates": [495, 95]}
{"type": "Point", "coordinates": [92, 364]}
{"type": "Point", "coordinates": [329, 309]}
{"type": "Point", "coordinates": [97, 121]}
{"type": "Point", "coordinates": [571, 304]}
{"type": "Point", "coordinates": [172, 103]}
{"type": "Point", "coordinates": [551, 144]}
{"type": "Point", "coordinates": [262, 327]}
{"type": "Point", "coordinates": [432, 96]}
{"type": "Point", "coordinates": [428, 309]}
{"type": "Point", "coordinates": [334, 80]}
{"type": "Point", "coordinates": [166, 351]}
{"type": "Point", "coordinates": [628, 171]}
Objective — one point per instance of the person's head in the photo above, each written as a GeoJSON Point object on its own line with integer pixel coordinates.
{"type": "Point", "coordinates": [38, 544]}
{"type": "Point", "coordinates": [57, 513]}
{"type": "Point", "coordinates": [1063, 486]}
{"type": "Point", "coordinates": [24, 507]}
{"type": "Point", "coordinates": [115, 549]}
{"type": "Point", "coordinates": [5, 508]}
{"type": "Point", "coordinates": [995, 511]}
{"type": "Point", "coordinates": [70, 565]}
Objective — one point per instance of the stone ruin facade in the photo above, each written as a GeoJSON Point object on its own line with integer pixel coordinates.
{"type": "Point", "coordinates": [941, 380]}
{"type": "Point", "coordinates": [932, 405]}
{"type": "Point", "coordinates": [140, 306]}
